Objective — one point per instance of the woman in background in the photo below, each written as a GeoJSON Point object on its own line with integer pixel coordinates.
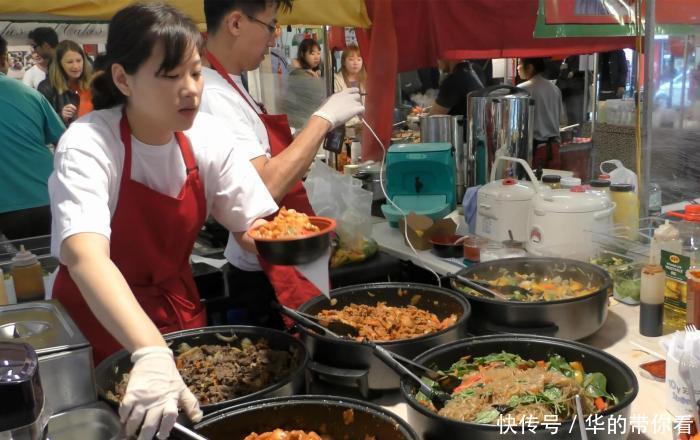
{"type": "Point", "coordinates": [67, 86]}
{"type": "Point", "coordinates": [309, 58]}
{"type": "Point", "coordinates": [352, 74]}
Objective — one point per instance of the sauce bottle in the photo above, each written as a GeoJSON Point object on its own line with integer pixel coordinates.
{"type": "Point", "coordinates": [651, 296]}
{"type": "Point", "coordinates": [27, 276]}
{"type": "Point", "coordinates": [3, 293]}
{"type": "Point", "coordinates": [626, 212]}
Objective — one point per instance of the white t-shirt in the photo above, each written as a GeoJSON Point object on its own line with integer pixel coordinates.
{"type": "Point", "coordinates": [223, 101]}
{"type": "Point", "coordinates": [84, 187]}
{"type": "Point", "coordinates": [34, 76]}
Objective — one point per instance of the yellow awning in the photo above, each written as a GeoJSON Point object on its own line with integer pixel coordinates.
{"type": "Point", "coordinates": [351, 13]}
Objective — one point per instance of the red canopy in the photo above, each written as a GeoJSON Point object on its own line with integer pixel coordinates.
{"type": "Point", "coordinates": [409, 34]}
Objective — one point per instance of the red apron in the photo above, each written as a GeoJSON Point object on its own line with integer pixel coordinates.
{"type": "Point", "coordinates": [291, 287]}
{"type": "Point", "coordinates": [547, 155]}
{"type": "Point", "coordinates": [152, 239]}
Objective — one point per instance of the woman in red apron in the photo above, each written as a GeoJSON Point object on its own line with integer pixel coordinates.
{"type": "Point", "coordinates": [134, 182]}
{"type": "Point", "coordinates": [242, 35]}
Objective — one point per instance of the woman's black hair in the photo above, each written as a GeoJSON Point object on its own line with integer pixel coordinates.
{"type": "Point", "coordinates": [306, 46]}
{"type": "Point", "coordinates": [133, 33]}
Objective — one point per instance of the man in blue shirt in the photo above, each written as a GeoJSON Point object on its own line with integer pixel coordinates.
{"type": "Point", "coordinates": [27, 125]}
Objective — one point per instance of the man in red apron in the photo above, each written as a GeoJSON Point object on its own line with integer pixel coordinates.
{"type": "Point", "coordinates": [239, 35]}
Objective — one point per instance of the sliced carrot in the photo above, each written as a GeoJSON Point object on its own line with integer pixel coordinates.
{"type": "Point", "coordinates": [542, 364]}
{"type": "Point", "coordinates": [600, 403]}
{"type": "Point", "coordinates": [471, 380]}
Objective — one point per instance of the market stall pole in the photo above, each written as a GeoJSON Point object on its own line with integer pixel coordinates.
{"type": "Point", "coordinates": [648, 105]}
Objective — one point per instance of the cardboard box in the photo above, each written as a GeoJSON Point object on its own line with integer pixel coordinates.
{"type": "Point", "coordinates": [421, 229]}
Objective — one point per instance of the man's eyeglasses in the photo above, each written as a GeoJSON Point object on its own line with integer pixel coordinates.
{"type": "Point", "coordinates": [271, 28]}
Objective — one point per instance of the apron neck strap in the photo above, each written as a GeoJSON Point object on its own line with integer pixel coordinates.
{"type": "Point", "coordinates": [182, 142]}
{"type": "Point", "coordinates": [216, 65]}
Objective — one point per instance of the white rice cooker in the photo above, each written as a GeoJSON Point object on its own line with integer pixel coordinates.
{"type": "Point", "coordinates": [503, 205]}
{"type": "Point", "coordinates": [564, 222]}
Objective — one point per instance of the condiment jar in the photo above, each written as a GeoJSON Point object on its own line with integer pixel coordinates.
{"type": "Point", "coordinates": [553, 181]}
{"type": "Point", "coordinates": [626, 212]}
{"type": "Point", "coordinates": [472, 248]}
{"type": "Point", "coordinates": [693, 275]}
{"type": "Point", "coordinates": [601, 187]}
{"type": "Point", "coordinates": [570, 182]}
{"type": "Point", "coordinates": [27, 276]}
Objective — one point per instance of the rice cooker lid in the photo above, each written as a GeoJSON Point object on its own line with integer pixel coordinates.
{"type": "Point", "coordinates": [571, 201]}
{"type": "Point", "coordinates": [508, 189]}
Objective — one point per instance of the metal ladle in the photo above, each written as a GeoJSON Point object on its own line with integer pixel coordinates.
{"type": "Point", "coordinates": [187, 432]}
{"type": "Point", "coordinates": [482, 288]}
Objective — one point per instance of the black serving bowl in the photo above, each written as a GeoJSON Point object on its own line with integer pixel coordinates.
{"type": "Point", "coordinates": [306, 413]}
{"type": "Point", "coordinates": [444, 246]}
{"type": "Point", "coordinates": [110, 371]}
{"type": "Point", "coordinates": [572, 318]}
{"type": "Point", "coordinates": [352, 364]}
{"type": "Point", "coordinates": [296, 250]}
{"type": "Point", "coordinates": [621, 382]}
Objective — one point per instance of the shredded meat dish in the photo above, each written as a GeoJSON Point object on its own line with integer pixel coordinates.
{"type": "Point", "coordinates": [386, 323]}
{"type": "Point", "coordinates": [216, 373]}
{"type": "Point", "coordinates": [287, 224]}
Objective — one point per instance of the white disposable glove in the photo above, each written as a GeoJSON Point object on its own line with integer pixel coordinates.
{"type": "Point", "coordinates": [154, 393]}
{"type": "Point", "coordinates": [340, 107]}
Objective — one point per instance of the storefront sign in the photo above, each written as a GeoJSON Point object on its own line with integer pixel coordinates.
{"type": "Point", "coordinates": [82, 33]}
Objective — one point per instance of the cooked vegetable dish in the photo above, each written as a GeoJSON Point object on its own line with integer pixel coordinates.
{"type": "Point", "coordinates": [288, 223]}
{"type": "Point", "coordinates": [533, 288]}
{"type": "Point", "coordinates": [386, 323]}
{"type": "Point", "coordinates": [503, 388]}
{"type": "Point", "coordinates": [216, 373]}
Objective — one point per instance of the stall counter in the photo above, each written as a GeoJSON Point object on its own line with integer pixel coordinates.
{"type": "Point", "coordinates": [616, 337]}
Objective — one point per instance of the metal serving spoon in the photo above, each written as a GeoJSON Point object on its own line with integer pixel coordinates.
{"type": "Point", "coordinates": [447, 382]}
{"type": "Point", "coordinates": [483, 287]}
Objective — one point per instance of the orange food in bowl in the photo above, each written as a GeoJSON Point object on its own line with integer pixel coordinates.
{"type": "Point", "coordinates": [288, 223]}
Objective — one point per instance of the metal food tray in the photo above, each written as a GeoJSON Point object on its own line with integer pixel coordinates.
{"type": "Point", "coordinates": [91, 422]}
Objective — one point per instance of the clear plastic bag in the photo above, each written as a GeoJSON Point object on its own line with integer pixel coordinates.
{"type": "Point", "coordinates": [341, 197]}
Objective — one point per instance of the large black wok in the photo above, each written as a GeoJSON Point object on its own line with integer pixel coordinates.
{"type": "Point", "coordinates": [620, 381]}
{"type": "Point", "coordinates": [349, 363]}
{"type": "Point", "coordinates": [110, 371]}
{"type": "Point", "coordinates": [574, 318]}
{"type": "Point", "coordinates": [307, 413]}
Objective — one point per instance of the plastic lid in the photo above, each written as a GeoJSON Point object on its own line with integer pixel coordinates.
{"type": "Point", "coordinates": [24, 258]}
{"type": "Point", "coordinates": [499, 190]}
{"type": "Point", "coordinates": [691, 213]}
{"type": "Point", "coordinates": [578, 189]}
{"type": "Point", "coordinates": [551, 178]}
{"type": "Point", "coordinates": [622, 187]}
{"type": "Point", "coordinates": [600, 183]}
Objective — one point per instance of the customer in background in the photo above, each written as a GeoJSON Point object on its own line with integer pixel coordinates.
{"type": "Point", "coordinates": [68, 85]}
{"type": "Point", "coordinates": [27, 125]}
{"type": "Point", "coordinates": [613, 74]}
{"type": "Point", "coordinates": [463, 77]}
{"type": "Point", "coordinates": [43, 41]}
{"type": "Point", "coordinates": [309, 58]}
{"type": "Point", "coordinates": [37, 73]}
{"type": "Point", "coordinates": [352, 74]}
{"type": "Point", "coordinates": [549, 112]}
